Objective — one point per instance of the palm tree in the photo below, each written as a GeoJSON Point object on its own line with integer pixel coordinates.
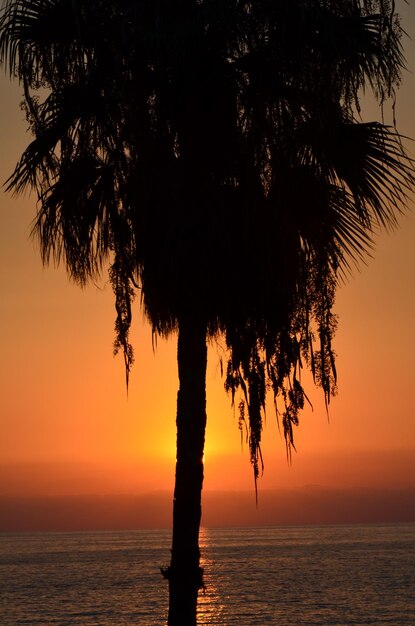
{"type": "Point", "coordinates": [211, 154]}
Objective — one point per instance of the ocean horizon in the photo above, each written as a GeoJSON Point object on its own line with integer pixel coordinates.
{"type": "Point", "coordinates": [314, 575]}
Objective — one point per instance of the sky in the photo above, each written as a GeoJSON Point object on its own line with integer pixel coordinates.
{"type": "Point", "coordinates": [77, 452]}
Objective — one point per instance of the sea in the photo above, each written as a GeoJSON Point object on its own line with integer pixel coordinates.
{"type": "Point", "coordinates": [283, 575]}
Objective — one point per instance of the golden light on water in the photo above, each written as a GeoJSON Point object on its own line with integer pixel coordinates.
{"type": "Point", "coordinates": [210, 605]}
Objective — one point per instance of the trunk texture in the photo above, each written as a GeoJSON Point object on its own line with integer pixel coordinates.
{"type": "Point", "coordinates": [185, 575]}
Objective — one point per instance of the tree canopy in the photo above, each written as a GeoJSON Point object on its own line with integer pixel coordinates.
{"type": "Point", "coordinates": [212, 153]}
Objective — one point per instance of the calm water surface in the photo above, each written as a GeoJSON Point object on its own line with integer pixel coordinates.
{"type": "Point", "coordinates": [286, 576]}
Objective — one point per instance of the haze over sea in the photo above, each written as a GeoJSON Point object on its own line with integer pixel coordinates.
{"type": "Point", "coordinates": [334, 575]}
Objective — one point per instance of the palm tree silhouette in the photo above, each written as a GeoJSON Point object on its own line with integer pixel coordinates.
{"type": "Point", "coordinates": [210, 154]}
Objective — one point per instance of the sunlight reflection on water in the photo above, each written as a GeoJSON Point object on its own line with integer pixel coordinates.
{"type": "Point", "coordinates": [279, 576]}
{"type": "Point", "coordinates": [210, 607]}
{"type": "Point", "coordinates": [309, 576]}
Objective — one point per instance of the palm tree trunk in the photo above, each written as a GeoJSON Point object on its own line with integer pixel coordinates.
{"type": "Point", "coordinates": [185, 573]}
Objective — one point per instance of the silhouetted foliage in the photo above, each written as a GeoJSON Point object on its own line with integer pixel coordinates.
{"type": "Point", "coordinates": [212, 152]}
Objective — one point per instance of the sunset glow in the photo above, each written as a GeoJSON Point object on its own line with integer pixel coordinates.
{"type": "Point", "coordinates": [68, 427]}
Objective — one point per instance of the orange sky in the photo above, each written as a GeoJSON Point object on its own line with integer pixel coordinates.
{"type": "Point", "coordinates": [68, 428]}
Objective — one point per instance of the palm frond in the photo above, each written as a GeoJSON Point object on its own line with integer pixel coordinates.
{"type": "Point", "coordinates": [212, 150]}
